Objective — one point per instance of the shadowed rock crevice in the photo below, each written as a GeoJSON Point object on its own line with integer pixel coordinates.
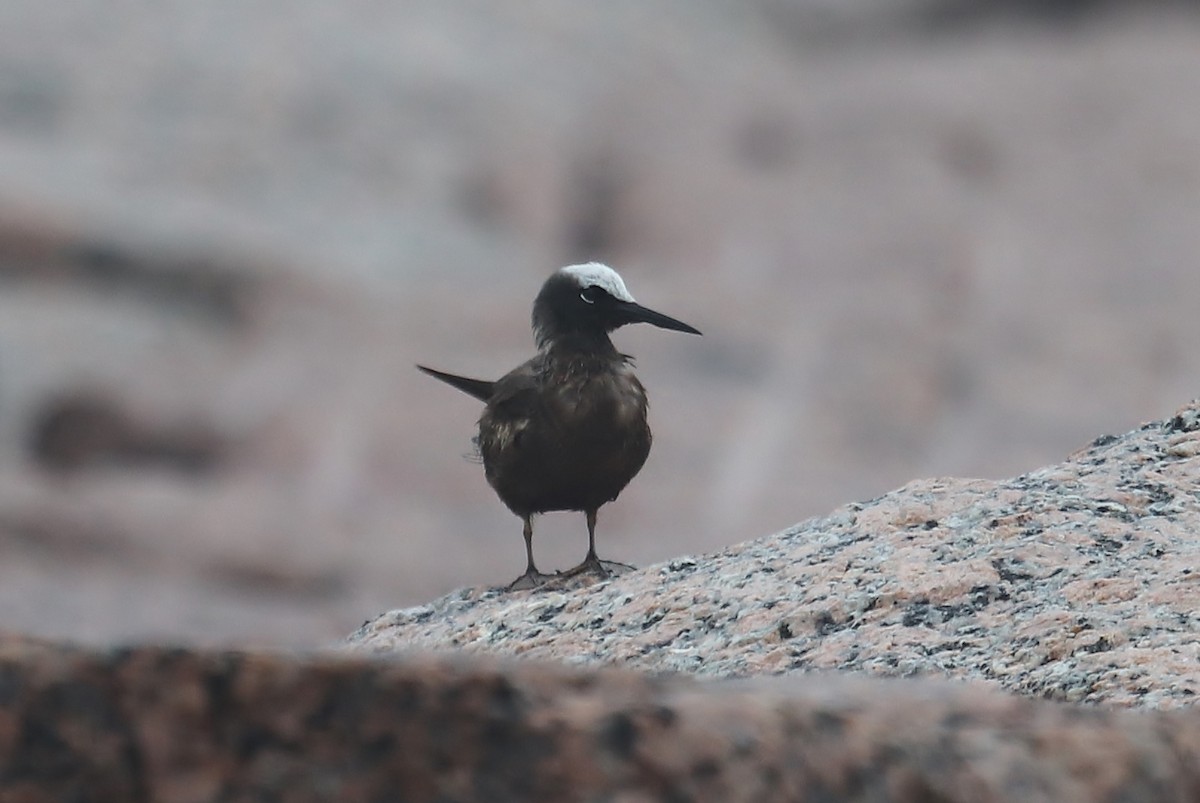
{"type": "Point", "coordinates": [196, 286]}
{"type": "Point", "coordinates": [84, 430]}
{"type": "Point", "coordinates": [597, 225]}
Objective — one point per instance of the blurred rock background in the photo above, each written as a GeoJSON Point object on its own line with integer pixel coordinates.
{"type": "Point", "coordinates": [922, 237]}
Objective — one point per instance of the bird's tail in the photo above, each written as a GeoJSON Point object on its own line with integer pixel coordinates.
{"type": "Point", "coordinates": [478, 388]}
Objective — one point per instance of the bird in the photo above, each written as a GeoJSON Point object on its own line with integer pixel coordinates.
{"type": "Point", "coordinates": [567, 429]}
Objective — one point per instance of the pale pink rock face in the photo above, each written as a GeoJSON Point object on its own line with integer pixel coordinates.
{"type": "Point", "coordinates": [1079, 581]}
{"type": "Point", "coordinates": [228, 229]}
{"type": "Point", "coordinates": [915, 249]}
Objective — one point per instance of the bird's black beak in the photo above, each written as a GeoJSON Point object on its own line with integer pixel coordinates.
{"type": "Point", "coordinates": [636, 313]}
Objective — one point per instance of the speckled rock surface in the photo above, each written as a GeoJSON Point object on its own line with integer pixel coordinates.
{"type": "Point", "coordinates": [1080, 582]}
{"type": "Point", "coordinates": [1076, 582]}
{"type": "Point", "coordinates": [154, 724]}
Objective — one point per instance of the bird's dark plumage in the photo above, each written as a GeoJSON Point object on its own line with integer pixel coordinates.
{"type": "Point", "coordinates": [567, 430]}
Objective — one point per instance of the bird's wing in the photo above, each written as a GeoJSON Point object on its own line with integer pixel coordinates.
{"type": "Point", "coordinates": [479, 388]}
{"type": "Point", "coordinates": [515, 395]}
{"type": "Point", "coordinates": [514, 410]}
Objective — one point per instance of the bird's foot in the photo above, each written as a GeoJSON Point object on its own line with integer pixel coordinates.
{"type": "Point", "coordinates": [603, 568]}
{"type": "Point", "coordinates": [531, 579]}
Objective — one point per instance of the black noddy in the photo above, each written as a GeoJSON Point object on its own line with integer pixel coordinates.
{"type": "Point", "coordinates": [567, 429]}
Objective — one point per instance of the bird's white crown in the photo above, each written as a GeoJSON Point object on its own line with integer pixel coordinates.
{"type": "Point", "coordinates": [595, 274]}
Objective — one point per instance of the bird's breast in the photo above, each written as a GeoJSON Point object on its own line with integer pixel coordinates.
{"type": "Point", "coordinates": [582, 438]}
{"type": "Point", "coordinates": [612, 398]}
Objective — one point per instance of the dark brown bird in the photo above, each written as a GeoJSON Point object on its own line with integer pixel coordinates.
{"type": "Point", "coordinates": [567, 429]}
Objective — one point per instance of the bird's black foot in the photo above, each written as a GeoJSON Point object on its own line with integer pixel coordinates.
{"type": "Point", "coordinates": [603, 568]}
{"type": "Point", "coordinates": [531, 579]}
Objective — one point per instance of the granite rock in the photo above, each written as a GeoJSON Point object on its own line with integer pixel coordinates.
{"type": "Point", "coordinates": [177, 726]}
{"type": "Point", "coordinates": [761, 669]}
{"type": "Point", "coordinates": [1079, 581]}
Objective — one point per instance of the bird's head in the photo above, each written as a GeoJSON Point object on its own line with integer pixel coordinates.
{"type": "Point", "coordinates": [590, 300]}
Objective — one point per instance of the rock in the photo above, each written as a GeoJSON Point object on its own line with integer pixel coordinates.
{"type": "Point", "coordinates": [177, 726]}
{"type": "Point", "coordinates": [920, 235]}
{"type": "Point", "coordinates": [1073, 582]}
{"type": "Point", "coordinates": [1080, 582]}
{"type": "Point", "coordinates": [86, 430]}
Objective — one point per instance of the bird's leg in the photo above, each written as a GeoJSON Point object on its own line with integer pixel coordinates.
{"type": "Point", "coordinates": [532, 577]}
{"type": "Point", "coordinates": [591, 558]}
{"type": "Point", "coordinates": [592, 563]}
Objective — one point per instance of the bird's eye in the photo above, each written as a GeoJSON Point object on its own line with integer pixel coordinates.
{"type": "Point", "coordinates": [591, 294]}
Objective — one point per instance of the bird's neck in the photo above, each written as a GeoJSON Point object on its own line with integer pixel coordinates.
{"type": "Point", "coordinates": [577, 343]}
